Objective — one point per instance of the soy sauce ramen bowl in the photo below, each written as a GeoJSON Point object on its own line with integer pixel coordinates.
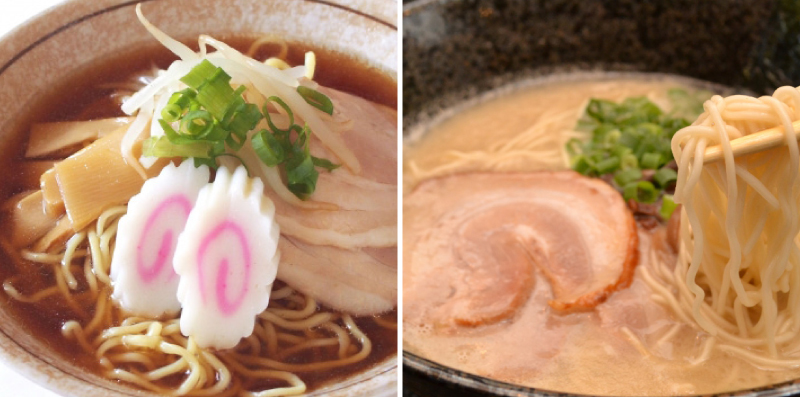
{"type": "Point", "coordinates": [58, 43]}
{"type": "Point", "coordinates": [456, 50]}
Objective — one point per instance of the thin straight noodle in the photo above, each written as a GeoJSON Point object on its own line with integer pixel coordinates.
{"type": "Point", "coordinates": [535, 148]}
{"type": "Point", "coordinates": [635, 342]}
{"type": "Point", "coordinates": [705, 353]}
{"type": "Point", "coordinates": [669, 335]}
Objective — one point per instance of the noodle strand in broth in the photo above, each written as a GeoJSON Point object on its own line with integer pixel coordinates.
{"type": "Point", "coordinates": [149, 353]}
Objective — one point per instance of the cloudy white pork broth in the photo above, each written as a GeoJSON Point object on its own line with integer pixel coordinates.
{"type": "Point", "coordinates": [501, 277]}
{"type": "Point", "coordinates": [93, 94]}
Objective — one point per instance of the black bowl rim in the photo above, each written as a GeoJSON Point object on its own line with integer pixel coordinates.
{"type": "Point", "coordinates": [479, 383]}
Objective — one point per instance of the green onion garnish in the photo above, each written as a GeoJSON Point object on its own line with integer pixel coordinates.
{"type": "Point", "coordinates": [641, 191]}
{"type": "Point", "coordinates": [582, 164]}
{"type": "Point", "coordinates": [268, 148]}
{"type": "Point", "coordinates": [162, 147]}
{"type": "Point", "coordinates": [667, 206]}
{"type": "Point", "coordinates": [213, 115]}
{"type": "Point", "coordinates": [651, 161]}
{"type": "Point", "coordinates": [665, 177]}
{"type": "Point", "coordinates": [285, 108]}
{"type": "Point", "coordinates": [324, 163]}
{"type": "Point", "coordinates": [624, 177]}
{"type": "Point", "coordinates": [626, 138]}
{"type": "Point", "coordinates": [629, 161]}
{"type": "Point", "coordinates": [316, 99]}
{"type": "Point", "coordinates": [608, 165]}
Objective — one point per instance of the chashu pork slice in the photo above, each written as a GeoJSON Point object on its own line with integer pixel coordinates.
{"type": "Point", "coordinates": [364, 211]}
{"type": "Point", "coordinates": [345, 254]}
{"type": "Point", "coordinates": [472, 243]}
{"type": "Point", "coordinates": [353, 281]}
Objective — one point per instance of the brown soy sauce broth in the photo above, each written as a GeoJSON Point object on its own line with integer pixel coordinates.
{"type": "Point", "coordinates": [81, 96]}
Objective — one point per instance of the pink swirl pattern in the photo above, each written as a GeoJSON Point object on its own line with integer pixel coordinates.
{"type": "Point", "coordinates": [222, 287]}
{"type": "Point", "coordinates": [178, 202]}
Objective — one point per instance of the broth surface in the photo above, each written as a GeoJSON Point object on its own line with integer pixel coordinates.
{"type": "Point", "coordinates": [629, 345]}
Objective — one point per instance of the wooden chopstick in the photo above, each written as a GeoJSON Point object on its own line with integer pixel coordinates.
{"type": "Point", "coordinates": [752, 143]}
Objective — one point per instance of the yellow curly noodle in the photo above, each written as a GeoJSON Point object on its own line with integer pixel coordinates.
{"type": "Point", "coordinates": [152, 353]}
{"type": "Point", "coordinates": [738, 270]}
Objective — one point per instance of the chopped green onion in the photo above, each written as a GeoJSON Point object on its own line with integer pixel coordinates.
{"type": "Point", "coordinates": [171, 112]}
{"type": "Point", "coordinates": [162, 147]}
{"type": "Point", "coordinates": [650, 129]}
{"type": "Point", "coordinates": [216, 95]}
{"type": "Point", "coordinates": [302, 134]}
{"type": "Point", "coordinates": [629, 139]}
{"type": "Point", "coordinates": [173, 135]}
{"type": "Point", "coordinates": [197, 123]}
{"type": "Point", "coordinates": [268, 148]}
{"type": "Point", "coordinates": [626, 176]}
{"type": "Point", "coordinates": [234, 108]}
{"type": "Point", "coordinates": [582, 165]}
{"type": "Point", "coordinates": [630, 191]}
{"type": "Point", "coordinates": [183, 100]}
{"type": "Point", "coordinates": [285, 107]}
{"type": "Point", "coordinates": [324, 163]}
{"type": "Point", "coordinates": [236, 141]}
{"type": "Point", "coordinates": [651, 161]}
{"type": "Point", "coordinates": [316, 99]}
{"type": "Point", "coordinates": [210, 162]}
{"type": "Point", "coordinates": [641, 191]}
{"type": "Point", "coordinates": [600, 109]}
{"type": "Point", "coordinates": [628, 161]}
{"type": "Point", "coordinates": [611, 138]}
{"type": "Point", "coordinates": [624, 139]}
{"type": "Point", "coordinates": [665, 177]}
{"type": "Point", "coordinates": [597, 156]}
{"type": "Point", "coordinates": [245, 119]}
{"type": "Point", "coordinates": [302, 178]}
{"type": "Point", "coordinates": [213, 115]}
{"type": "Point", "coordinates": [667, 206]}
{"type": "Point", "coordinates": [608, 165]}
{"type": "Point", "coordinates": [620, 151]}
{"type": "Point", "coordinates": [199, 74]}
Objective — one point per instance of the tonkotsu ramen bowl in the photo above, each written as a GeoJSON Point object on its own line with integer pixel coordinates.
{"type": "Point", "coordinates": [56, 44]}
{"type": "Point", "coordinates": [454, 51]}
